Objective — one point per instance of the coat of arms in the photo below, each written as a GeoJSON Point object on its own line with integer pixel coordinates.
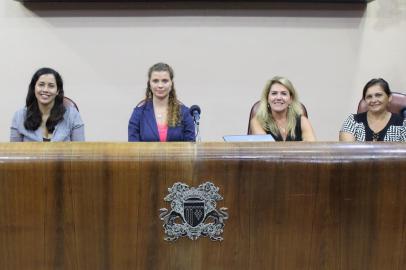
{"type": "Point", "coordinates": [194, 212]}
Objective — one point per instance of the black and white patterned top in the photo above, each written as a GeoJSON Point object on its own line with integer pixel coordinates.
{"type": "Point", "coordinates": [357, 125]}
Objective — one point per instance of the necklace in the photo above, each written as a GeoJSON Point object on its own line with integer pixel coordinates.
{"type": "Point", "coordinates": [282, 129]}
{"type": "Point", "coordinates": [160, 113]}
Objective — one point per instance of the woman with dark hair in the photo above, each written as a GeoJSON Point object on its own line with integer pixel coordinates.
{"type": "Point", "coordinates": [280, 113]}
{"type": "Point", "coordinates": [376, 124]}
{"type": "Point", "coordinates": [45, 117]}
{"type": "Point", "coordinates": [161, 116]}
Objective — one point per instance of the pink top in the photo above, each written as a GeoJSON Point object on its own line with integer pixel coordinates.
{"type": "Point", "coordinates": [163, 132]}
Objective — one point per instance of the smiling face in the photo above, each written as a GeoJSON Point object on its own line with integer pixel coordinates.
{"type": "Point", "coordinates": [376, 99]}
{"type": "Point", "coordinates": [279, 98]}
{"type": "Point", "coordinates": [46, 90]}
{"type": "Point", "coordinates": [160, 84]}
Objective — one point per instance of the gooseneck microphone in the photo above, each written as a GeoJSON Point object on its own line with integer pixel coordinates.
{"type": "Point", "coordinates": [195, 112]}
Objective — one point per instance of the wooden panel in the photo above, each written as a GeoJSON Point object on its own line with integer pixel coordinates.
{"type": "Point", "coordinates": [291, 205]}
{"type": "Point", "coordinates": [308, 2]}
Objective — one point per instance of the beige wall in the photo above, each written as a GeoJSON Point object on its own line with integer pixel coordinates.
{"type": "Point", "coordinates": [222, 58]}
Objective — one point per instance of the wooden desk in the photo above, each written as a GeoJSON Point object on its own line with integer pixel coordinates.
{"type": "Point", "coordinates": [95, 206]}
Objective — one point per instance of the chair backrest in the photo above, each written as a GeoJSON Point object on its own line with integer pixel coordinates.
{"type": "Point", "coordinates": [397, 104]}
{"type": "Point", "coordinates": [69, 102]}
{"type": "Point", "coordinates": [254, 110]}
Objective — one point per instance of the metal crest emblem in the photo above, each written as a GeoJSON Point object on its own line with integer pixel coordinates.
{"type": "Point", "coordinates": [194, 212]}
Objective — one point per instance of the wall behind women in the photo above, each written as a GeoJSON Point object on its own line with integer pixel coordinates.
{"type": "Point", "coordinates": [222, 57]}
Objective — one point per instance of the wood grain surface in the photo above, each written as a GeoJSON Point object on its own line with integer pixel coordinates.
{"type": "Point", "coordinates": [291, 205]}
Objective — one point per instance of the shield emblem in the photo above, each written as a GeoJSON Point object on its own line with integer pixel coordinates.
{"type": "Point", "coordinates": [193, 211]}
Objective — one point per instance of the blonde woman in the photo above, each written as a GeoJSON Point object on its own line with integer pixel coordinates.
{"type": "Point", "coordinates": [280, 113]}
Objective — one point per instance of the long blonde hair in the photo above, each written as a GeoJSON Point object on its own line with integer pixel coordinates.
{"type": "Point", "coordinates": [173, 102]}
{"type": "Point", "coordinates": [264, 113]}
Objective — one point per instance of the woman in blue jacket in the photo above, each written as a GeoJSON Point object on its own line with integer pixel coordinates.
{"type": "Point", "coordinates": [161, 116]}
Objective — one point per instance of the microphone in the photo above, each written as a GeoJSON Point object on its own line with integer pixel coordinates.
{"type": "Point", "coordinates": [195, 112]}
{"type": "Point", "coordinates": [403, 112]}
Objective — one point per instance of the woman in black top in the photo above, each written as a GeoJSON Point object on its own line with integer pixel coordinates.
{"type": "Point", "coordinates": [377, 124]}
{"type": "Point", "coordinates": [280, 113]}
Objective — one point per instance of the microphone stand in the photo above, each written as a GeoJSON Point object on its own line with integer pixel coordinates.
{"type": "Point", "coordinates": [195, 112]}
{"type": "Point", "coordinates": [197, 129]}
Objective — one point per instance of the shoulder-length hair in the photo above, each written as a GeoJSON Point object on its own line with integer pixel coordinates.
{"type": "Point", "coordinates": [264, 113]}
{"type": "Point", "coordinates": [173, 102]}
{"type": "Point", "coordinates": [33, 117]}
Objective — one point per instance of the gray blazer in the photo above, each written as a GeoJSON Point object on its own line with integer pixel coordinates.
{"type": "Point", "coordinates": [71, 128]}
